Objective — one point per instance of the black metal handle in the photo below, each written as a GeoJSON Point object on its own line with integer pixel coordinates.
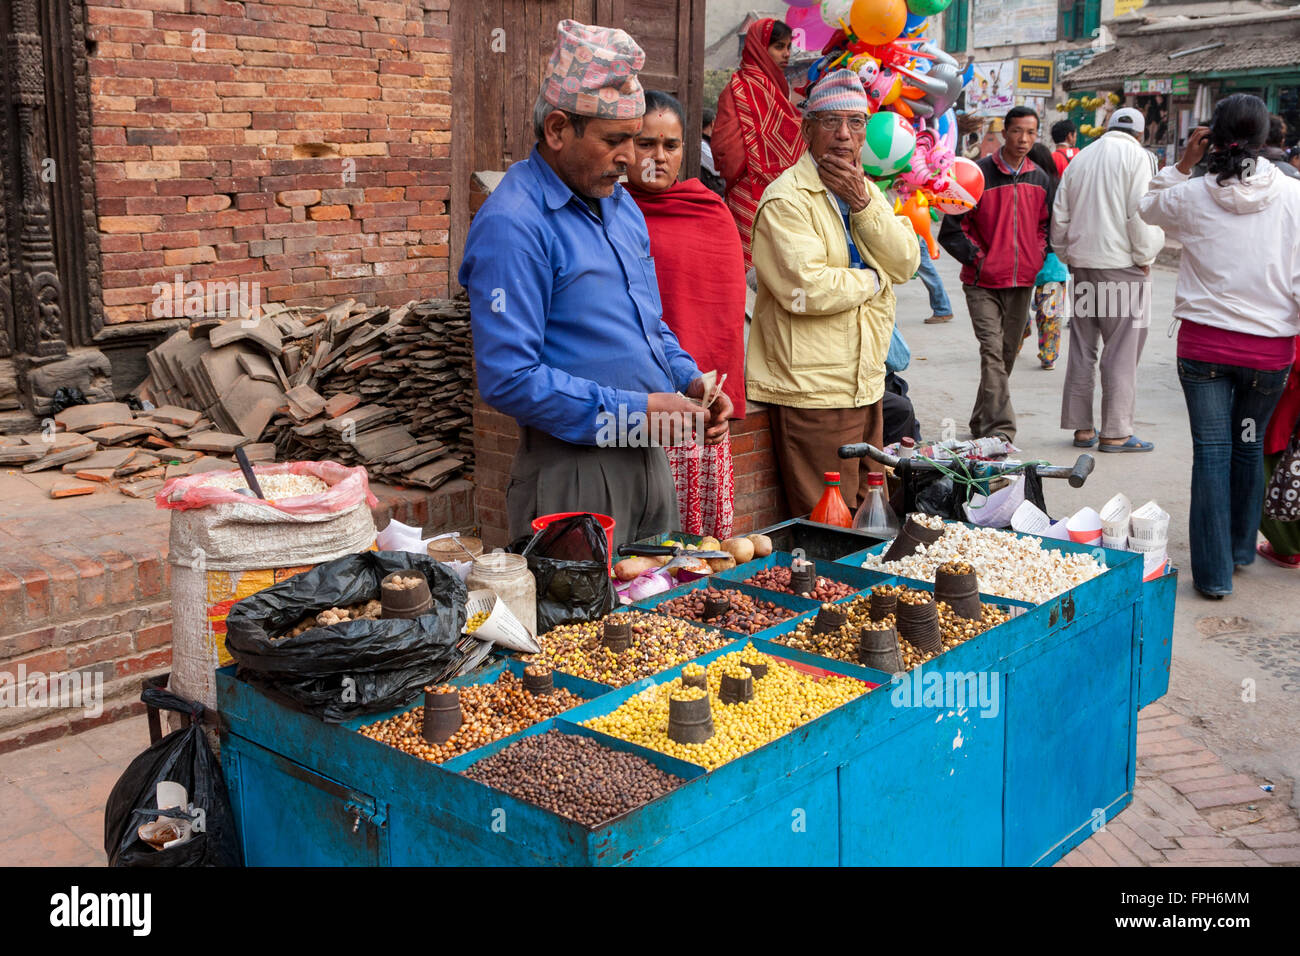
{"type": "Point", "coordinates": [1082, 469]}
{"type": "Point", "coordinates": [646, 550]}
{"type": "Point", "coordinates": [247, 468]}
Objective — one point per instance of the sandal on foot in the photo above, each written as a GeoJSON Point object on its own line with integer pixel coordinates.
{"type": "Point", "coordinates": [1289, 561]}
{"type": "Point", "coordinates": [1086, 442]}
{"type": "Point", "coordinates": [1133, 444]}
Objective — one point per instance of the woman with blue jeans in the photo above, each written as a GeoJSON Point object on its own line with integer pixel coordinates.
{"type": "Point", "coordinates": [1238, 302]}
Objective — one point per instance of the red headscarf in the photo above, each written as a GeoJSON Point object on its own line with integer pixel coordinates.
{"type": "Point", "coordinates": [757, 128]}
{"type": "Point", "coordinates": [701, 272]}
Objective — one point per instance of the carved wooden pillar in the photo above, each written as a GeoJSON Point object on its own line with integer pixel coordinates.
{"type": "Point", "coordinates": [39, 318]}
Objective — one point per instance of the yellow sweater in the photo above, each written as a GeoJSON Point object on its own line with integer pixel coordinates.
{"type": "Point", "coordinates": [821, 328]}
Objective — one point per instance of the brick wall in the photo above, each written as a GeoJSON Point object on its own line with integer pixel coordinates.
{"type": "Point", "coordinates": [300, 144]}
{"type": "Point", "coordinates": [759, 500]}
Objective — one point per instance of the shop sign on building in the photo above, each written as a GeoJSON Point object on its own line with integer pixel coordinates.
{"type": "Point", "coordinates": [1035, 76]}
{"type": "Point", "coordinates": [1004, 22]}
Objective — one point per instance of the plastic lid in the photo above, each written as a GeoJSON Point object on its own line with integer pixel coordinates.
{"type": "Point", "coordinates": [831, 477]}
{"type": "Point", "coordinates": [908, 442]}
{"type": "Point", "coordinates": [875, 478]}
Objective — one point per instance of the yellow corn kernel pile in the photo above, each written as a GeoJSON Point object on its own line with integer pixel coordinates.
{"type": "Point", "coordinates": [783, 700]}
{"type": "Point", "coordinates": [476, 620]}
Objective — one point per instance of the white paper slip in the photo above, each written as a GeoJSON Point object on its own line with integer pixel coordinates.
{"type": "Point", "coordinates": [1030, 519]}
{"type": "Point", "coordinates": [996, 510]}
{"type": "Point", "coordinates": [502, 627]}
{"type": "Point", "coordinates": [1115, 544]}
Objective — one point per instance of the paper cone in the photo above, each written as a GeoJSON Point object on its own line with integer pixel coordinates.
{"type": "Point", "coordinates": [1153, 564]}
{"type": "Point", "coordinates": [1149, 525]}
{"type": "Point", "coordinates": [502, 627]}
{"type": "Point", "coordinates": [1114, 517]}
{"type": "Point", "coordinates": [1084, 526]}
{"type": "Point", "coordinates": [1115, 544]}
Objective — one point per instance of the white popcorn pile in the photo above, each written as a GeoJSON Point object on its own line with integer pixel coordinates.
{"type": "Point", "coordinates": [1005, 564]}
{"type": "Point", "coordinates": [273, 486]}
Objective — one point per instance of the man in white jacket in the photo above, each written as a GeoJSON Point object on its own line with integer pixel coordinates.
{"type": "Point", "coordinates": [1097, 231]}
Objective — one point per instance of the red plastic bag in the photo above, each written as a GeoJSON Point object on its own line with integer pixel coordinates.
{"type": "Point", "coordinates": [347, 488]}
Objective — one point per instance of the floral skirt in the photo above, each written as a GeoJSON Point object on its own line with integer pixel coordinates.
{"type": "Point", "coordinates": [706, 487]}
{"type": "Point", "coordinates": [1048, 307]}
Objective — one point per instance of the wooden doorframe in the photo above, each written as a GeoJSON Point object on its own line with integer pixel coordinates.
{"type": "Point", "coordinates": [472, 68]}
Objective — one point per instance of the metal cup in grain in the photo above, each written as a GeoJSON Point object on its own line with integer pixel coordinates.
{"type": "Point", "coordinates": [715, 606]}
{"type": "Point", "coordinates": [878, 649]}
{"type": "Point", "coordinates": [696, 680]}
{"type": "Point", "coordinates": [736, 690]}
{"type": "Point", "coordinates": [803, 578]}
{"type": "Point", "coordinates": [882, 605]}
{"type": "Point", "coordinates": [959, 591]}
{"type": "Point", "coordinates": [616, 633]}
{"type": "Point", "coordinates": [912, 535]}
{"type": "Point", "coordinates": [690, 721]}
{"type": "Point", "coordinates": [829, 619]}
{"type": "Point", "coordinates": [539, 681]}
{"type": "Point", "coordinates": [405, 603]}
{"type": "Point", "coordinates": [757, 668]}
{"type": "Point", "coordinates": [442, 715]}
{"type": "Point", "coordinates": [918, 624]}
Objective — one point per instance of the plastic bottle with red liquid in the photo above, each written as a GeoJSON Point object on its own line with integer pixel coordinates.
{"type": "Point", "coordinates": [832, 509]}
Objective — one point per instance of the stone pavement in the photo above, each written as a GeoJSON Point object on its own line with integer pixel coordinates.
{"type": "Point", "coordinates": [1189, 809]}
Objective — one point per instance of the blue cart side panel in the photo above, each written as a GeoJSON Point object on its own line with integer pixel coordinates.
{"type": "Point", "coordinates": [1158, 599]}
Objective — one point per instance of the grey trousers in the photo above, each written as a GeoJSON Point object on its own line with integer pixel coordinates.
{"type": "Point", "coordinates": [999, 317]}
{"type": "Point", "coordinates": [1110, 316]}
{"type": "Point", "coordinates": [634, 486]}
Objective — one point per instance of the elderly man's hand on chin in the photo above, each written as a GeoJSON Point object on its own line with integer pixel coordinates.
{"type": "Point", "coordinates": [845, 179]}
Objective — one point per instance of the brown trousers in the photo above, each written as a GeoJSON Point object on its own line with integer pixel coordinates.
{"type": "Point", "coordinates": [805, 440]}
{"type": "Point", "coordinates": [999, 318]}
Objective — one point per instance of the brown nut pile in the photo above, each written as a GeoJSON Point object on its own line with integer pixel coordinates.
{"type": "Point", "coordinates": [842, 643]}
{"type": "Point", "coordinates": [956, 567]}
{"type": "Point", "coordinates": [778, 579]}
{"type": "Point", "coordinates": [489, 711]}
{"type": "Point", "coordinates": [576, 777]}
{"type": "Point", "coordinates": [365, 611]}
{"type": "Point", "coordinates": [909, 596]}
{"type": "Point", "coordinates": [658, 643]}
{"type": "Point", "coordinates": [747, 615]}
{"type": "Point", "coordinates": [404, 583]}
{"type": "Point", "coordinates": [885, 590]}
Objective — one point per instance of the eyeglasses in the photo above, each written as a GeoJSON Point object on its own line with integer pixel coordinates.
{"type": "Point", "coordinates": [831, 123]}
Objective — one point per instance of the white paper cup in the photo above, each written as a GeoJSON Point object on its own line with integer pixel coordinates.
{"type": "Point", "coordinates": [1115, 544]}
{"type": "Point", "coordinates": [171, 795]}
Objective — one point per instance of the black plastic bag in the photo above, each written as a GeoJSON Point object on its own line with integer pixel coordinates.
{"type": "Point", "coordinates": [183, 757]}
{"type": "Point", "coordinates": [66, 396]}
{"type": "Point", "coordinates": [570, 562]}
{"type": "Point", "coordinates": [346, 670]}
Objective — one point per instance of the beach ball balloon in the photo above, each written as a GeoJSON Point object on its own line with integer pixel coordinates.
{"type": "Point", "coordinates": [928, 8]}
{"type": "Point", "coordinates": [888, 146]}
{"type": "Point", "coordinates": [878, 21]}
{"type": "Point", "coordinates": [962, 189]}
{"type": "Point", "coordinates": [833, 11]}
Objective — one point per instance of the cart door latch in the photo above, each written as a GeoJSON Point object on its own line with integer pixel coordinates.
{"type": "Point", "coordinates": [371, 813]}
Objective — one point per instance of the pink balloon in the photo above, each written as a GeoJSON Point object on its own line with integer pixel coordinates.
{"type": "Point", "coordinates": [810, 33]}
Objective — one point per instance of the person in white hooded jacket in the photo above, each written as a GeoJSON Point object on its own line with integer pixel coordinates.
{"type": "Point", "coordinates": [1238, 304]}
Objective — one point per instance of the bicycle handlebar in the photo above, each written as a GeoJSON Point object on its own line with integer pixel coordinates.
{"type": "Point", "coordinates": [1076, 474]}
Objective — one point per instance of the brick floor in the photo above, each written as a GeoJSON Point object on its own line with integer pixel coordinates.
{"type": "Point", "coordinates": [1189, 809]}
{"type": "Point", "coordinates": [52, 797]}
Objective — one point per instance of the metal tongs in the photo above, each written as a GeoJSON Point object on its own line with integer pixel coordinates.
{"type": "Point", "coordinates": [681, 556]}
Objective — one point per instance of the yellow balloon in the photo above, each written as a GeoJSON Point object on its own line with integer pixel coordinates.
{"type": "Point", "coordinates": [1114, 98]}
{"type": "Point", "coordinates": [878, 21]}
{"type": "Point", "coordinates": [1073, 102]}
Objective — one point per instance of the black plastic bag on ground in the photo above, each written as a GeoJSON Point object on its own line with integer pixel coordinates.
{"type": "Point", "coordinates": [570, 562]}
{"type": "Point", "coordinates": [183, 757]}
{"type": "Point", "coordinates": [353, 668]}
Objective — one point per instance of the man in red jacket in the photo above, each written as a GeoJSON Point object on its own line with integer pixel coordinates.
{"type": "Point", "coordinates": [1001, 244]}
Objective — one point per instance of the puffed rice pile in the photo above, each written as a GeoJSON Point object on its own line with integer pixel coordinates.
{"type": "Point", "coordinates": [1005, 564]}
{"type": "Point", "coordinates": [273, 486]}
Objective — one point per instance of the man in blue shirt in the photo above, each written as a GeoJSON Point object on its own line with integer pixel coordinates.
{"type": "Point", "coordinates": [569, 337]}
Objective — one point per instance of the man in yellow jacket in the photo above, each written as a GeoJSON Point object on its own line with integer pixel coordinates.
{"type": "Point", "coordinates": [828, 251]}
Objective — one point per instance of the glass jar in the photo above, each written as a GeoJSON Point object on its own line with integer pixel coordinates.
{"type": "Point", "coordinates": [508, 576]}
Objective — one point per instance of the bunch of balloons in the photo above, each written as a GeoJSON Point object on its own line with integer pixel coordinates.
{"type": "Point", "coordinates": [912, 84]}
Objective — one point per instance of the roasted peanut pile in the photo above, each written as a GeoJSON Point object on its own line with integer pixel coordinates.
{"type": "Point", "coordinates": [747, 615]}
{"type": "Point", "coordinates": [1007, 564]}
{"type": "Point", "coordinates": [956, 567]}
{"type": "Point", "coordinates": [783, 700]}
{"type": "Point", "coordinates": [576, 777]}
{"type": "Point", "coordinates": [490, 712]}
{"type": "Point", "coordinates": [365, 611]}
{"type": "Point", "coordinates": [658, 643]}
{"type": "Point", "coordinates": [842, 643]}
{"type": "Point", "coordinates": [778, 579]}
{"type": "Point", "coordinates": [406, 583]}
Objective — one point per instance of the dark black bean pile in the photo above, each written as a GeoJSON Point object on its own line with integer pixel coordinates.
{"type": "Point", "coordinates": [576, 777]}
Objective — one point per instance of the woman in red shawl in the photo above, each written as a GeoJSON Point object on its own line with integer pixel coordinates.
{"type": "Point", "coordinates": [701, 273]}
{"type": "Point", "coordinates": [756, 135]}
